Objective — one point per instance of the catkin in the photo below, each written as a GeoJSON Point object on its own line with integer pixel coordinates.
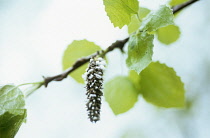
{"type": "Point", "coordinates": [94, 85]}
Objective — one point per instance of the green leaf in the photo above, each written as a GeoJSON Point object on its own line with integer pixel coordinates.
{"type": "Point", "coordinates": [120, 11]}
{"type": "Point", "coordinates": [157, 19]}
{"type": "Point", "coordinates": [143, 12]}
{"type": "Point", "coordinates": [177, 2]}
{"type": "Point", "coordinates": [140, 51]}
{"type": "Point", "coordinates": [135, 78]}
{"type": "Point", "coordinates": [134, 24]}
{"type": "Point", "coordinates": [12, 110]}
{"type": "Point", "coordinates": [121, 94]}
{"type": "Point", "coordinates": [136, 20]}
{"type": "Point", "coordinates": [76, 50]}
{"type": "Point", "coordinates": [161, 86]}
{"type": "Point", "coordinates": [168, 34]}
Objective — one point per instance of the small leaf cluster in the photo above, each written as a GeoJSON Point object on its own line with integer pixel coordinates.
{"type": "Point", "coordinates": [156, 82]}
{"type": "Point", "coordinates": [123, 12]}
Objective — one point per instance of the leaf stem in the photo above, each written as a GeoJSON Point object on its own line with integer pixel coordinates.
{"type": "Point", "coordinates": [31, 89]}
{"type": "Point", "coordinates": [31, 83]}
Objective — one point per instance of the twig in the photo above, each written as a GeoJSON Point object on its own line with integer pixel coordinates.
{"type": "Point", "coordinates": [118, 44]}
{"type": "Point", "coordinates": [182, 6]}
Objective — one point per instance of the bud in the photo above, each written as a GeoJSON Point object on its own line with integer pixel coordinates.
{"type": "Point", "coordinates": [94, 85]}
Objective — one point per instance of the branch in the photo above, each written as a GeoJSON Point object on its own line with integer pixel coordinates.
{"type": "Point", "coordinates": [63, 75]}
{"type": "Point", "coordinates": [182, 6]}
{"type": "Point", "coordinates": [118, 44]}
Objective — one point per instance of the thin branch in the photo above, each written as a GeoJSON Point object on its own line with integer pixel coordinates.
{"type": "Point", "coordinates": [118, 44]}
{"type": "Point", "coordinates": [182, 6]}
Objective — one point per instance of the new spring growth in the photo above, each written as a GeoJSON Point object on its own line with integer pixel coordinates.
{"type": "Point", "coordinates": [94, 85]}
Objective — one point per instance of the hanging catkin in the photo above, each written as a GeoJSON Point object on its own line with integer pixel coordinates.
{"type": "Point", "coordinates": [94, 85]}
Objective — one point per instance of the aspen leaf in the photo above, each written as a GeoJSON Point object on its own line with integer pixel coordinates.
{"type": "Point", "coordinates": [120, 11]}
{"type": "Point", "coordinates": [168, 34]}
{"type": "Point", "coordinates": [121, 94]}
{"type": "Point", "coordinates": [135, 78]}
{"type": "Point", "coordinates": [157, 19]}
{"type": "Point", "coordinates": [161, 86]}
{"type": "Point", "coordinates": [12, 110]}
{"type": "Point", "coordinates": [76, 50]}
{"type": "Point", "coordinates": [137, 19]}
{"type": "Point", "coordinates": [140, 51]}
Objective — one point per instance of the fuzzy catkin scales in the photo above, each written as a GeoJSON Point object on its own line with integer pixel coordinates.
{"type": "Point", "coordinates": [94, 85]}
